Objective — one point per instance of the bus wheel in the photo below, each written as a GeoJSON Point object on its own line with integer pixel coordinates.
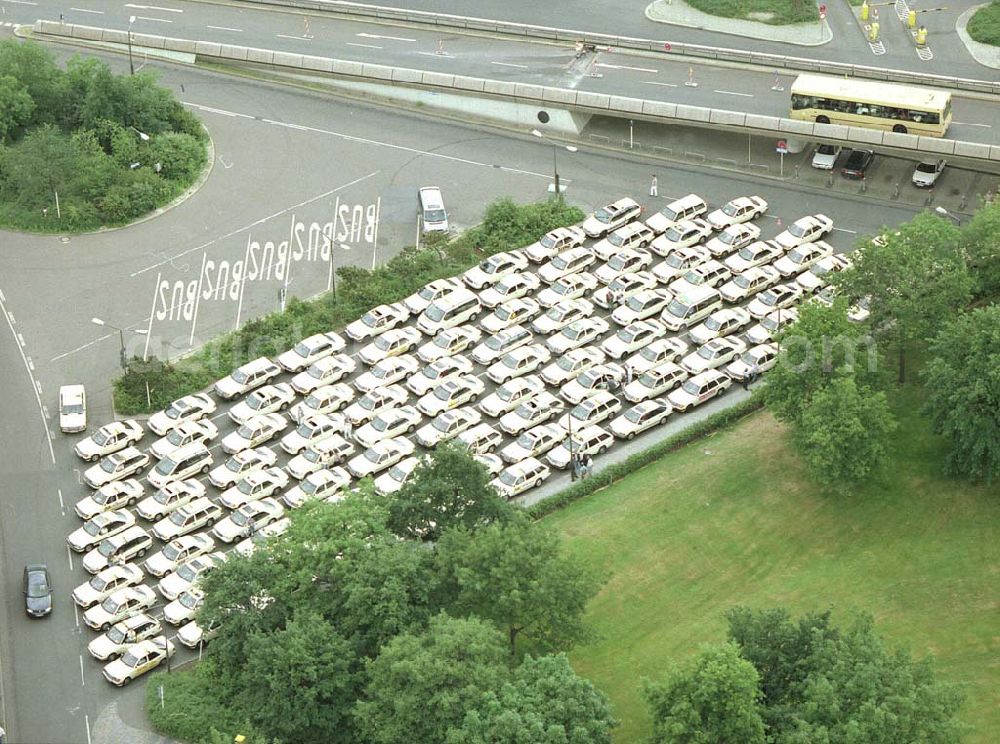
{"type": "Point", "coordinates": [822, 119]}
{"type": "Point", "coordinates": [899, 128]}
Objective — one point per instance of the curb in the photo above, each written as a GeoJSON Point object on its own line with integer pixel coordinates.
{"type": "Point", "coordinates": [761, 31]}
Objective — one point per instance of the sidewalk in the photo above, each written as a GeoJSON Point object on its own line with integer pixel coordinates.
{"type": "Point", "coordinates": [985, 54]}
{"type": "Point", "coordinates": [679, 13]}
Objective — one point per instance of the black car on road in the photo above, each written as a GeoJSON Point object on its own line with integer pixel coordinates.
{"type": "Point", "coordinates": [37, 590]}
{"type": "Point", "coordinates": [857, 165]}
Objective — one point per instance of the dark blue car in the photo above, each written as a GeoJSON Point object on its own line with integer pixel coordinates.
{"type": "Point", "coordinates": [37, 590]}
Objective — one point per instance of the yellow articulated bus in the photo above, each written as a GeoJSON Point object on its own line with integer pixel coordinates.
{"type": "Point", "coordinates": [867, 103]}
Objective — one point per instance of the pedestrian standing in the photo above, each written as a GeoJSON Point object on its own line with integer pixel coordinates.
{"type": "Point", "coordinates": [746, 380]}
{"type": "Point", "coordinates": [588, 466]}
{"type": "Point", "coordinates": [348, 430]}
{"type": "Point", "coordinates": [754, 372]}
{"type": "Point", "coordinates": [628, 373]}
{"type": "Point", "coordinates": [654, 187]}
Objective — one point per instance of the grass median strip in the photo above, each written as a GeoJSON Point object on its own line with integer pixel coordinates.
{"type": "Point", "coordinates": [733, 519]}
{"type": "Point", "coordinates": [773, 12]}
{"type": "Point", "coordinates": [984, 26]}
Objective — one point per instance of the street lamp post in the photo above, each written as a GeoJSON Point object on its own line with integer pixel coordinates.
{"type": "Point", "coordinates": [555, 162]}
{"type": "Point", "coordinates": [131, 67]}
{"type": "Point", "coordinates": [123, 359]}
{"type": "Point", "coordinates": [945, 213]}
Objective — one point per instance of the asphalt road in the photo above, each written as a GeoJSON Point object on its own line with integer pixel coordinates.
{"type": "Point", "coordinates": [661, 78]}
{"type": "Point", "coordinates": [629, 19]}
{"type": "Point", "coordinates": [285, 152]}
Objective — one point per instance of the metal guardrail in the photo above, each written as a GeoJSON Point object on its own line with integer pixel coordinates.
{"type": "Point", "coordinates": [662, 46]}
{"type": "Point", "coordinates": [540, 95]}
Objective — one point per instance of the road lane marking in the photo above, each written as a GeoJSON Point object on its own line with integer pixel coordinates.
{"type": "Point", "coordinates": [38, 390]}
{"type": "Point", "coordinates": [154, 20]}
{"type": "Point", "coordinates": [971, 124]}
{"type": "Point", "coordinates": [296, 38]}
{"type": "Point", "coordinates": [83, 679]}
{"type": "Point", "coordinates": [655, 82]}
{"type": "Point", "coordinates": [22, 2]}
{"type": "Point", "coordinates": [153, 7]}
{"type": "Point", "coordinates": [86, 721]}
{"type": "Point", "coordinates": [261, 221]}
{"type": "Point", "coordinates": [734, 93]}
{"type": "Point", "coordinates": [509, 64]}
{"type": "Point", "coordinates": [626, 67]}
{"type": "Point", "coordinates": [844, 229]}
{"type": "Point", "coordinates": [87, 10]}
{"type": "Point", "coordinates": [219, 111]}
{"type": "Point", "coordinates": [389, 38]}
{"type": "Point", "coordinates": [226, 28]}
{"type": "Point", "coordinates": [61, 504]}
{"type": "Point", "coordinates": [436, 54]}
{"type": "Point", "coordinates": [367, 46]}
{"type": "Point", "coordinates": [70, 554]}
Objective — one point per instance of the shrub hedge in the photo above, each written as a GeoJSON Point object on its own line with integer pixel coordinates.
{"type": "Point", "coordinates": [505, 225]}
{"type": "Point", "coordinates": [616, 472]}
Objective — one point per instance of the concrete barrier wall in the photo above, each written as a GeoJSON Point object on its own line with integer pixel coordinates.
{"type": "Point", "coordinates": [537, 95]}
{"type": "Point", "coordinates": [664, 46]}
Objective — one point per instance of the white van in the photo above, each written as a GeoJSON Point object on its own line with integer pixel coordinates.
{"type": "Point", "coordinates": [454, 309]}
{"type": "Point", "coordinates": [691, 307]}
{"type": "Point", "coordinates": [432, 211]}
{"type": "Point", "coordinates": [72, 408]}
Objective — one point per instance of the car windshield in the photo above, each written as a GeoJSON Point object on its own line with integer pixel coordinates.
{"type": "Point", "coordinates": [564, 287]}
{"type": "Point", "coordinates": [748, 253]}
{"type": "Point", "coordinates": [827, 149]}
{"type": "Point", "coordinates": [508, 478]}
{"type": "Point", "coordinates": [796, 255]}
{"type": "Point", "coordinates": [368, 403]}
{"type": "Point", "coordinates": [106, 548]}
{"type": "Point", "coordinates": [728, 237]}
{"type": "Point", "coordinates": [38, 586]}
{"type": "Point", "coordinates": [186, 572]}
{"type": "Point", "coordinates": [820, 269]}
{"type": "Point", "coordinates": [496, 342]}
{"type": "Point", "coordinates": [618, 262]}
{"type": "Point", "coordinates": [674, 235]}
{"type": "Point", "coordinates": [240, 518]}
{"type": "Point", "coordinates": [770, 322]}
{"type": "Point", "coordinates": [116, 634]}
{"type": "Point", "coordinates": [648, 379]}
{"type": "Point", "coordinates": [257, 400]}
{"type": "Point", "coordinates": [693, 277]}
{"type": "Point", "coordinates": [381, 423]}
{"type": "Point", "coordinates": [171, 552]}
{"type": "Point", "coordinates": [399, 473]}
{"type": "Point", "coordinates": [566, 364]}
{"type": "Point", "coordinates": [706, 352]}
{"type": "Point", "coordinates": [675, 261]}
{"type": "Point", "coordinates": [649, 353]}
{"type": "Point", "coordinates": [799, 229]}
{"type": "Point", "coordinates": [97, 583]}
{"type": "Point", "coordinates": [443, 393]}
{"type": "Point", "coordinates": [110, 464]}
{"type": "Point", "coordinates": [742, 282]}
{"type": "Point", "coordinates": [434, 215]}
{"type": "Point", "coordinates": [305, 429]}
{"type": "Point", "coordinates": [677, 308]}
{"type": "Point", "coordinates": [444, 423]}
{"type": "Point", "coordinates": [628, 335]}
{"type": "Point", "coordinates": [370, 319]}
{"type": "Point", "coordinates": [768, 297]}
{"type": "Point", "coordinates": [246, 486]}
{"type": "Point", "coordinates": [240, 376]}
{"type": "Point", "coordinates": [504, 313]}
{"type": "Point", "coordinates": [927, 167]}
{"type": "Point", "coordinates": [101, 437]}
{"type": "Point", "coordinates": [236, 464]}
{"type": "Point", "coordinates": [603, 215]}
{"type": "Point", "coordinates": [248, 432]}
{"type": "Point", "coordinates": [178, 517]}
{"type": "Point", "coordinates": [111, 604]}
{"type": "Point", "coordinates": [190, 601]}
{"type": "Point", "coordinates": [102, 497]}
{"type": "Point", "coordinates": [373, 455]}
{"type": "Point", "coordinates": [634, 414]}
{"type": "Point", "coordinates": [312, 456]}
{"type": "Point", "coordinates": [616, 239]}
{"type": "Point", "coordinates": [166, 466]}
{"type": "Point", "coordinates": [384, 344]}
{"type": "Point", "coordinates": [435, 312]}
{"type": "Point", "coordinates": [635, 303]}
{"type": "Point", "coordinates": [176, 410]}
{"type": "Point", "coordinates": [130, 660]}
{"type": "Point", "coordinates": [318, 371]}
{"type": "Point", "coordinates": [548, 241]}
{"type": "Point", "coordinates": [313, 402]}
{"type": "Point", "coordinates": [303, 349]}
{"type": "Point", "coordinates": [92, 528]}
{"type": "Point", "coordinates": [177, 437]}
{"type": "Point", "coordinates": [731, 209]}
{"type": "Point", "coordinates": [690, 387]}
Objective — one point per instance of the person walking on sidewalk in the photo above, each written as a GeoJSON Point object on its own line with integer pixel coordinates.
{"type": "Point", "coordinates": [654, 189]}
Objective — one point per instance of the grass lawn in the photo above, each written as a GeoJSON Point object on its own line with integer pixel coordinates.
{"type": "Point", "coordinates": [984, 26]}
{"type": "Point", "coordinates": [734, 520]}
{"type": "Point", "coordinates": [775, 12]}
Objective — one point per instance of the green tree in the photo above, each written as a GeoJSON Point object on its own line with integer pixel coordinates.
{"type": "Point", "coordinates": [546, 702]}
{"type": "Point", "coordinates": [821, 346]}
{"type": "Point", "coordinates": [916, 278]}
{"type": "Point", "coordinates": [298, 684]}
{"type": "Point", "coordinates": [843, 432]}
{"type": "Point", "coordinates": [422, 684]}
{"type": "Point", "coordinates": [823, 684]}
{"type": "Point", "coordinates": [981, 245]}
{"type": "Point", "coordinates": [447, 489]}
{"type": "Point", "coordinates": [516, 576]}
{"type": "Point", "coordinates": [962, 379]}
{"type": "Point", "coordinates": [713, 700]}
{"type": "Point", "coordinates": [16, 106]}
{"type": "Point", "coordinates": [34, 67]}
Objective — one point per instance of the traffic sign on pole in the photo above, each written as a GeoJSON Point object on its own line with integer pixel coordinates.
{"type": "Point", "coordinates": [781, 147]}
